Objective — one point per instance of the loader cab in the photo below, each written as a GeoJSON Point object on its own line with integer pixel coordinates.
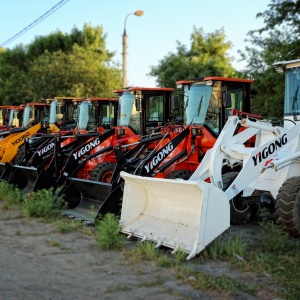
{"type": "Point", "coordinates": [35, 113]}
{"type": "Point", "coordinates": [291, 69]}
{"type": "Point", "coordinates": [102, 112]}
{"type": "Point", "coordinates": [4, 115]}
{"type": "Point", "coordinates": [63, 112]}
{"type": "Point", "coordinates": [210, 101]}
{"type": "Point", "coordinates": [14, 116]}
{"type": "Point", "coordinates": [144, 109]}
{"type": "Point", "coordinates": [95, 112]}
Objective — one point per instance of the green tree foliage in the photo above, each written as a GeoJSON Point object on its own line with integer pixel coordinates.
{"type": "Point", "coordinates": [207, 56]}
{"type": "Point", "coordinates": [76, 64]}
{"type": "Point", "coordinates": [276, 41]}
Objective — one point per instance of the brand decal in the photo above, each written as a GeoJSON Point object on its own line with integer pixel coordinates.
{"type": "Point", "coordinates": [159, 157]}
{"type": "Point", "coordinates": [20, 139]}
{"type": "Point", "coordinates": [46, 149]}
{"type": "Point", "coordinates": [86, 148]}
{"type": "Point", "coordinates": [267, 151]}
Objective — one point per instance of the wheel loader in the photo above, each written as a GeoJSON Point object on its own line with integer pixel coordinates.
{"type": "Point", "coordinates": [189, 214]}
{"type": "Point", "coordinates": [10, 116]}
{"type": "Point", "coordinates": [207, 104]}
{"type": "Point", "coordinates": [12, 139]}
{"type": "Point", "coordinates": [142, 117]}
{"type": "Point", "coordinates": [43, 157]}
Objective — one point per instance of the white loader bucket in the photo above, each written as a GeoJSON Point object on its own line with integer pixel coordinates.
{"type": "Point", "coordinates": [179, 214]}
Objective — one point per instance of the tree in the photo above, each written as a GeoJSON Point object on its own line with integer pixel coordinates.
{"type": "Point", "coordinates": [207, 56]}
{"type": "Point", "coordinates": [76, 64]}
{"type": "Point", "coordinates": [13, 80]}
{"type": "Point", "coordinates": [277, 40]}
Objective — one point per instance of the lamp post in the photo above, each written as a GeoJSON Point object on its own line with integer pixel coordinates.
{"type": "Point", "coordinates": [138, 13]}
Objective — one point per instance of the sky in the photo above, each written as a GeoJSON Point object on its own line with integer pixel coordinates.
{"type": "Point", "coordinates": [150, 37]}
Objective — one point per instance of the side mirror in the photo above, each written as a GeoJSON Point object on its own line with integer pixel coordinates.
{"type": "Point", "coordinates": [137, 104]}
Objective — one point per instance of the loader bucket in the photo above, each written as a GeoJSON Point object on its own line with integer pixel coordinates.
{"type": "Point", "coordinates": [182, 215]}
{"type": "Point", "coordinates": [84, 198]}
{"type": "Point", "coordinates": [29, 179]}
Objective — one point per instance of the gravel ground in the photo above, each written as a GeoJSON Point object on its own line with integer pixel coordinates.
{"type": "Point", "coordinates": [37, 262]}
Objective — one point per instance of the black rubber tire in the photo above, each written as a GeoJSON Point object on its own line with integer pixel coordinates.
{"type": "Point", "coordinates": [239, 212]}
{"type": "Point", "coordinates": [182, 174]}
{"type": "Point", "coordinates": [102, 172]}
{"type": "Point", "coordinates": [287, 206]}
{"type": "Point", "coordinates": [20, 156]}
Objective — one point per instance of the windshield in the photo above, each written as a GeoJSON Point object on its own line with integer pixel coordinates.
{"type": "Point", "coordinates": [196, 101]}
{"type": "Point", "coordinates": [11, 117]}
{"type": "Point", "coordinates": [26, 116]}
{"type": "Point", "coordinates": [292, 93]}
{"type": "Point", "coordinates": [128, 115]}
{"type": "Point", "coordinates": [107, 111]}
{"type": "Point", "coordinates": [53, 106]}
{"type": "Point", "coordinates": [83, 115]}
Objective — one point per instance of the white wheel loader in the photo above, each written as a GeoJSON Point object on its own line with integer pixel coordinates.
{"type": "Point", "coordinates": [188, 215]}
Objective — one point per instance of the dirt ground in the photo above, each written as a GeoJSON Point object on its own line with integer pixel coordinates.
{"type": "Point", "coordinates": [37, 262]}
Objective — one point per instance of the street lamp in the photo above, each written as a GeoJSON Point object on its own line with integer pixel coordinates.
{"type": "Point", "coordinates": [138, 13]}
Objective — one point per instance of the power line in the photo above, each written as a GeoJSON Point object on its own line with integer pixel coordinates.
{"type": "Point", "coordinates": [37, 21]}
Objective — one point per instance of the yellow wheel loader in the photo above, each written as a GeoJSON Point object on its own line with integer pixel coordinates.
{"type": "Point", "coordinates": [231, 179]}
{"type": "Point", "coordinates": [33, 115]}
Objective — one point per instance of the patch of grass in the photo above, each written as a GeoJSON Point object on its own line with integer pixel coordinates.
{"type": "Point", "coordinates": [10, 195]}
{"type": "Point", "coordinates": [66, 225]}
{"type": "Point", "coordinates": [108, 234]}
{"type": "Point", "coordinates": [229, 248]}
{"type": "Point", "coordinates": [143, 251]}
{"type": "Point", "coordinates": [54, 243]}
{"type": "Point", "coordinates": [220, 283]}
{"type": "Point", "coordinates": [157, 281]}
{"type": "Point", "coordinates": [43, 204]}
{"type": "Point", "coordinates": [277, 255]}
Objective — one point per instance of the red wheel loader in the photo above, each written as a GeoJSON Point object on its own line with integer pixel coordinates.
{"type": "Point", "coordinates": [189, 214]}
{"type": "Point", "coordinates": [177, 153]}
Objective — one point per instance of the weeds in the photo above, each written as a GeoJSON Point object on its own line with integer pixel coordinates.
{"type": "Point", "coordinates": [108, 234]}
{"type": "Point", "coordinates": [43, 204]}
{"type": "Point", "coordinates": [143, 251]}
{"type": "Point", "coordinates": [229, 248]}
{"type": "Point", "coordinates": [65, 225]}
{"type": "Point", "coordinates": [220, 283]}
{"type": "Point", "coordinates": [278, 255]}
{"type": "Point", "coordinates": [10, 195]}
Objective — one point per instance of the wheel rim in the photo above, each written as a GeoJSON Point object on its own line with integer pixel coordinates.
{"type": "Point", "coordinates": [238, 205]}
{"type": "Point", "coordinates": [106, 177]}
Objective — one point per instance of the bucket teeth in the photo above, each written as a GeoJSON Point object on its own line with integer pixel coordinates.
{"type": "Point", "coordinates": [144, 238]}
{"type": "Point", "coordinates": [159, 242]}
